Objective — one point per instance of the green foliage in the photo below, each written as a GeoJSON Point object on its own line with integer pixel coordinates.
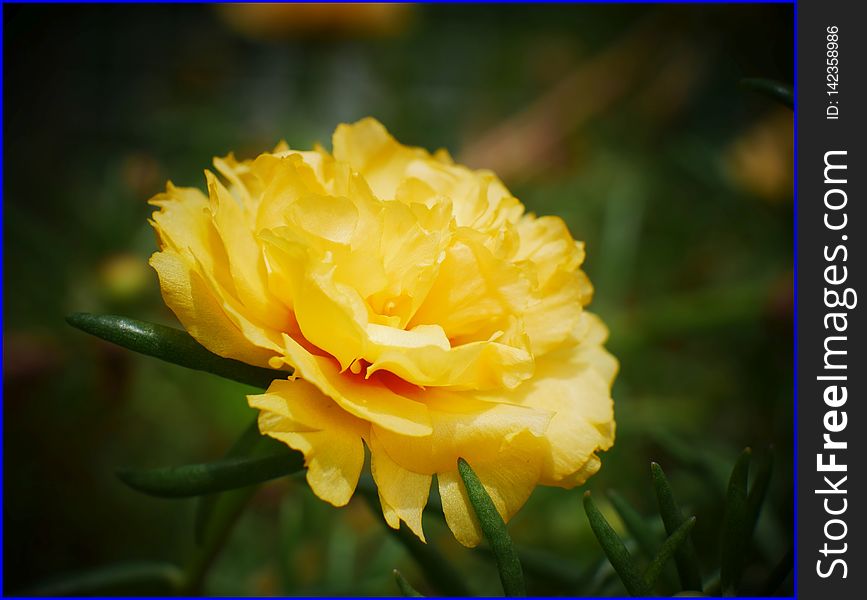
{"type": "Point", "coordinates": [208, 478]}
{"type": "Point", "coordinates": [735, 528]}
{"type": "Point", "coordinates": [406, 590]}
{"type": "Point", "coordinates": [669, 547]}
{"type": "Point", "coordinates": [171, 345]}
{"type": "Point", "coordinates": [206, 505]}
{"type": "Point", "coordinates": [685, 558]}
{"type": "Point", "coordinates": [225, 487]}
{"type": "Point", "coordinates": [494, 530]}
{"type": "Point", "coordinates": [741, 514]}
{"type": "Point", "coordinates": [615, 550]}
{"type": "Point", "coordinates": [635, 524]}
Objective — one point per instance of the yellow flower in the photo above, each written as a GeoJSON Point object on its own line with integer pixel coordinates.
{"type": "Point", "coordinates": [424, 313]}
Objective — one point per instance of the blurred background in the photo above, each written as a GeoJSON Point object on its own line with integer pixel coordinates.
{"type": "Point", "coordinates": [628, 121]}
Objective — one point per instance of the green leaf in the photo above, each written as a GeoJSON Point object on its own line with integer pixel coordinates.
{"type": "Point", "coordinates": [140, 578]}
{"type": "Point", "coordinates": [636, 524]}
{"type": "Point", "coordinates": [672, 517]}
{"type": "Point", "coordinates": [736, 526]}
{"type": "Point", "coordinates": [216, 514]}
{"type": "Point", "coordinates": [171, 345]}
{"type": "Point", "coordinates": [494, 530]}
{"type": "Point", "coordinates": [779, 91]}
{"type": "Point", "coordinates": [669, 547]}
{"type": "Point", "coordinates": [616, 551]}
{"type": "Point", "coordinates": [208, 478]}
{"type": "Point", "coordinates": [438, 572]}
{"type": "Point", "coordinates": [406, 590]}
{"type": "Point", "coordinates": [758, 490]}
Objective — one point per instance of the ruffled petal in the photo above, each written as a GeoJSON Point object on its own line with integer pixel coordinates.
{"type": "Point", "coordinates": [198, 307]}
{"type": "Point", "coordinates": [475, 293]}
{"type": "Point", "coordinates": [574, 384]}
{"type": "Point", "coordinates": [366, 399]}
{"type": "Point", "coordinates": [371, 150]}
{"type": "Point", "coordinates": [184, 225]}
{"type": "Point", "coordinates": [333, 316]}
{"type": "Point", "coordinates": [296, 413]}
{"type": "Point", "coordinates": [509, 481]}
{"type": "Point", "coordinates": [461, 426]}
{"type": "Point", "coordinates": [403, 494]}
{"type": "Point", "coordinates": [246, 261]}
{"type": "Point", "coordinates": [554, 312]}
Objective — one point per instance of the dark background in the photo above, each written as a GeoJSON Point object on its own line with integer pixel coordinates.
{"type": "Point", "coordinates": [627, 120]}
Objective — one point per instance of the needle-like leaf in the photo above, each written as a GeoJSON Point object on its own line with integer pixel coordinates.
{"type": "Point", "coordinates": [736, 526]}
{"type": "Point", "coordinates": [494, 530]}
{"type": "Point", "coordinates": [758, 490]}
{"type": "Point", "coordinates": [406, 590]}
{"type": "Point", "coordinates": [208, 478]}
{"type": "Point", "coordinates": [669, 547]}
{"type": "Point", "coordinates": [616, 551]}
{"type": "Point", "coordinates": [171, 345]}
{"type": "Point", "coordinates": [672, 517]}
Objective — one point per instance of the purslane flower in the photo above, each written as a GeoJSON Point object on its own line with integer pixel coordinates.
{"type": "Point", "coordinates": [423, 313]}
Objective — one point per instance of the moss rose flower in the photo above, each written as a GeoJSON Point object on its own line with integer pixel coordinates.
{"type": "Point", "coordinates": [424, 314]}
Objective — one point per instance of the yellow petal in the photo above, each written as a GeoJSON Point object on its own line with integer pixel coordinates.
{"type": "Point", "coordinates": [480, 200]}
{"type": "Point", "coordinates": [475, 292]}
{"type": "Point", "coordinates": [193, 301]}
{"type": "Point", "coordinates": [424, 357]}
{"type": "Point", "coordinates": [403, 494]}
{"type": "Point", "coordinates": [462, 426]}
{"type": "Point", "coordinates": [333, 317]}
{"type": "Point", "coordinates": [297, 414]}
{"type": "Point", "coordinates": [366, 399]}
{"type": "Point", "coordinates": [183, 224]}
{"type": "Point", "coordinates": [244, 185]}
{"type": "Point", "coordinates": [547, 243]}
{"type": "Point", "coordinates": [555, 311]}
{"type": "Point", "coordinates": [457, 509]}
{"type": "Point", "coordinates": [509, 481]}
{"type": "Point", "coordinates": [573, 383]}
{"type": "Point", "coordinates": [372, 151]}
{"type": "Point", "coordinates": [246, 261]}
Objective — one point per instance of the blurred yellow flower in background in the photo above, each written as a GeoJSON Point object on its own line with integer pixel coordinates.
{"type": "Point", "coordinates": [424, 313]}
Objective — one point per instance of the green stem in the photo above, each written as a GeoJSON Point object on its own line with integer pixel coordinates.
{"type": "Point", "coordinates": [226, 512]}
